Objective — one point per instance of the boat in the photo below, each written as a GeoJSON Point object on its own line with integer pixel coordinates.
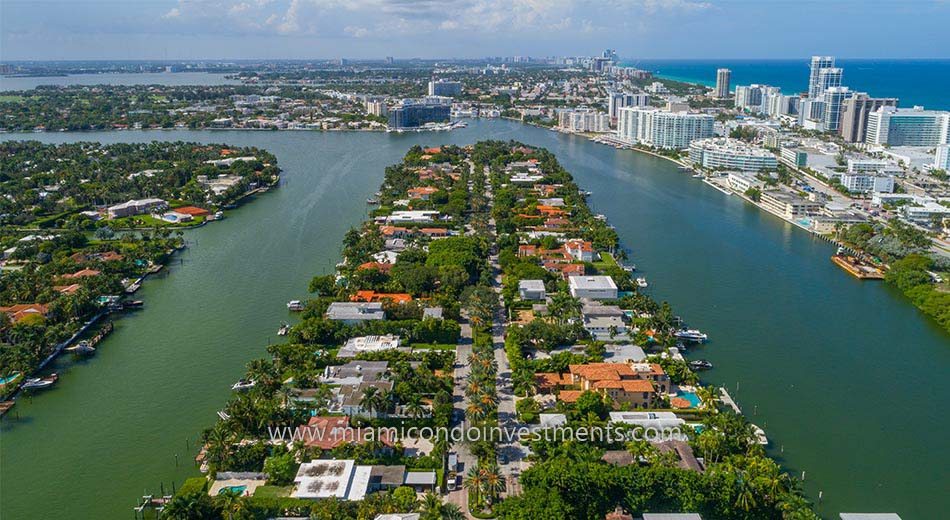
{"type": "Point", "coordinates": [372, 201]}
{"type": "Point", "coordinates": [83, 347]}
{"type": "Point", "coordinates": [690, 335]}
{"type": "Point", "coordinates": [218, 215]}
{"type": "Point", "coordinates": [283, 330]}
{"type": "Point", "coordinates": [698, 176]}
{"type": "Point", "coordinates": [378, 194]}
{"type": "Point", "coordinates": [700, 364]}
{"type": "Point", "coordinates": [5, 407]}
{"type": "Point", "coordinates": [295, 305]}
{"type": "Point", "coordinates": [243, 384]}
{"type": "Point", "coordinates": [40, 383]}
{"type": "Point", "coordinates": [642, 282]}
{"type": "Point", "coordinates": [133, 304]}
{"type": "Point", "coordinates": [223, 415]}
{"type": "Point", "coordinates": [630, 268]}
{"type": "Point", "coordinates": [760, 435]}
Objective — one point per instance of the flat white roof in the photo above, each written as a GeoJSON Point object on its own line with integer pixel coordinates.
{"type": "Point", "coordinates": [592, 282]}
{"type": "Point", "coordinates": [323, 479]}
{"type": "Point", "coordinates": [531, 285]}
{"type": "Point", "coordinates": [419, 478]}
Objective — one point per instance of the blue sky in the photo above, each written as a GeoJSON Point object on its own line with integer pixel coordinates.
{"type": "Point", "coordinates": [250, 29]}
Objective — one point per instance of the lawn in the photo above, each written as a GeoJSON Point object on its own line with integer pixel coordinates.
{"type": "Point", "coordinates": [273, 491]}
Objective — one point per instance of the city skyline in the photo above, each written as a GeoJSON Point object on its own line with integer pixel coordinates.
{"type": "Point", "coordinates": [316, 29]}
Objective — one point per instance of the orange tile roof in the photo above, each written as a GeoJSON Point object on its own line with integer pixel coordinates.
{"type": "Point", "coordinates": [434, 231]}
{"type": "Point", "coordinates": [191, 210]}
{"type": "Point", "coordinates": [81, 273]}
{"type": "Point", "coordinates": [373, 296]}
{"type": "Point", "coordinates": [67, 289]}
{"type": "Point", "coordinates": [679, 402]}
{"type": "Point", "coordinates": [603, 371]}
{"type": "Point", "coordinates": [329, 432]}
{"type": "Point", "coordinates": [635, 385]}
{"type": "Point", "coordinates": [569, 396]}
{"type": "Point", "coordinates": [437, 149]}
{"type": "Point", "coordinates": [22, 310]}
{"type": "Point", "coordinates": [386, 268]}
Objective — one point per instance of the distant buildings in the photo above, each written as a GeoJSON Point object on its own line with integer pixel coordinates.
{"type": "Point", "coordinates": [834, 98]}
{"type": "Point", "coordinates": [818, 63]}
{"type": "Point", "coordinates": [942, 158]}
{"type": "Point", "coordinates": [723, 77]}
{"type": "Point", "coordinates": [583, 120]}
{"type": "Point", "coordinates": [376, 107]}
{"type": "Point", "coordinates": [907, 127]}
{"type": "Point", "coordinates": [755, 97]}
{"type": "Point", "coordinates": [445, 88]}
{"type": "Point", "coordinates": [731, 154]}
{"type": "Point", "coordinates": [662, 129]}
{"type": "Point", "coordinates": [855, 110]}
{"type": "Point", "coordinates": [864, 183]}
{"type": "Point", "coordinates": [412, 114]}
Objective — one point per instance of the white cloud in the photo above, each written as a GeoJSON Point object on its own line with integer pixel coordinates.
{"type": "Point", "coordinates": [174, 12]}
{"type": "Point", "coordinates": [356, 32]}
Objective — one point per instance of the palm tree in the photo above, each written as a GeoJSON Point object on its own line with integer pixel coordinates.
{"type": "Point", "coordinates": [524, 381]}
{"type": "Point", "coordinates": [229, 498]}
{"type": "Point", "coordinates": [707, 397]}
{"type": "Point", "coordinates": [452, 512]}
{"type": "Point", "coordinates": [493, 482]}
{"type": "Point", "coordinates": [473, 483]}
{"type": "Point", "coordinates": [414, 407]}
{"type": "Point", "coordinates": [431, 506]}
{"type": "Point", "coordinates": [373, 401]}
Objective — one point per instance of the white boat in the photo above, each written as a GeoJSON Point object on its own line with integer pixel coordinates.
{"type": "Point", "coordinates": [760, 435]}
{"type": "Point", "coordinates": [698, 176]}
{"type": "Point", "coordinates": [283, 330]}
{"type": "Point", "coordinates": [630, 268]}
{"type": "Point", "coordinates": [243, 384]}
{"type": "Point", "coordinates": [691, 335]}
{"type": "Point", "coordinates": [295, 305]}
{"type": "Point", "coordinates": [218, 215]}
{"type": "Point", "coordinates": [223, 415]}
{"type": "Point", "coordinates": [642, 282]}
{"type": "Point", "coordinates": [40, 383]}
{"type": "Point", "coordinates": [83, 347]}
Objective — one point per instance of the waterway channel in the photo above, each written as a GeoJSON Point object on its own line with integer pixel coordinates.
{"type": "Point", "coordinates": [846, 377]}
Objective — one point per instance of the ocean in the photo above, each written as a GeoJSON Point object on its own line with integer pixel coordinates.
{"type": "Point", "coordinates": [915, 82]}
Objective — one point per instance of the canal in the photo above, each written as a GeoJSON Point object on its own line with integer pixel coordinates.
{"type": "Point", "coordinates": [845, 376]}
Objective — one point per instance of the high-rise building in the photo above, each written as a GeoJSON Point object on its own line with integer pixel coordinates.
{"type": "Point", "coordinates": [854, 115]}
{"type": "Point", "coordinates": [662, 129]}
{"type": "Point", "coordinates": [583, 120]}
{"type": "Point", "coordinates": [375, 107]}
{"type": "Point", "coordinates": [411, 114]}
{"type": "Point", "coordinates": [755, 98]}
{"type": "Point", "coordinates": [445, 88]}
{"type": "Point", "coordinates": [818, 63]}
{"type": "Point", "coordinates": [942, 158]}
{"type": "Point", "coordinates": [908, 127]}
{"type": "Point", "coordinates": [723, 77]}
{"type": "Point", "coordinates": [828, 78]}
{"type": "Point", "coordinates": [834, 98]}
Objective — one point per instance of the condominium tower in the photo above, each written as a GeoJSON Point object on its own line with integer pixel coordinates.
{"type": "Point", "coordinates": [661, 128]}
{"type": "Point", "coordinates": [908, 127]}
{"type": "Point", "coordinates": [817, 64]}
{"type": "Point", "coordinates": [723, 77]}
{"type": "Point", "coordinates": [853, 121]}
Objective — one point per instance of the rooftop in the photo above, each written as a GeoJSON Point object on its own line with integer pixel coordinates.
{"type": "Point", "coordinates": [592, 282]}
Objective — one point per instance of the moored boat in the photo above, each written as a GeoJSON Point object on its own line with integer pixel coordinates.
{"type": "Point", "coordinates": [83, 347]}
{"type": "Point", "coordinates": [243, 384]}
{"type": "Point", "coordinates": [372, 201]}
{"type": "Point", "coordinates": [295, 305]}
{"type": "Point", "coordinates": [642, 282]}
{"type": "Point", "coordinates": [690, 335]}
{"type": "Point", "coordinates": [700, 364]}
{"type": "Point", "coordinates": [283, 330]}
{"type": "Point", "coordinates": [40, 383]}
{"type": "Point", "coordinates": [760, 435]}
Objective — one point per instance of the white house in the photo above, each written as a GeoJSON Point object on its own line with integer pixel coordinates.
{"type": "Point", "coordinates": [532, 290]}
{"type": "Point", "coordinates": [593, 287]}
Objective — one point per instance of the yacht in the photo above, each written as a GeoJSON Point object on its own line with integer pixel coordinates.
{"type": "Point", "coordinates": [295, 305]}
{"type": "Point", "coordinates": [218, 215]}
{"type": "Point", "coordinates": [760, 435]}
{"type": "Point", "coordinates": [83, 347]}
{"type": "Point", "coordinates": [243, 384]}
{"type": "Point", "coordinates": [40, 383]}
{"type": "Point", "coordinates": [698, 176]}
{"type": "Point", "coordinates": [690, 335]}
{"type": "Point", "coordinates": [283, 330]}
{"type": "Point", "coordinates": [700, 364]}
{"type": "Point", "coordinates": [372, 201]}
{"type": "Point", "coordinates": [642, 282]}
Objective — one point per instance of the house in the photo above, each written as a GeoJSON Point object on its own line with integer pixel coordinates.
{"type": "Point", "coordinates": [423, 193]}
{"type": "Point", "coordinates": [354, 346]}
{"type": "Point", "coordinates": [526, 250]}
{"type": "Point", "coordinates": [434, 232]}
{"type": "Point", "coordinates": [550, 382]}
{"type": "Point", "coordinates": [532, 290]}
{"type": "Point", "coordinates": [80, 274]}
{"type": "Point", "coordinates": [635, 384]}
{"type": "Point", "coordinates": [434, 313]}
{"type": "Point", "coordinates": [67, 289]}
{"type": "Point", "coordinates": [338, 479]}
{"type": "Point", "coordinates": [593, 287]}
{"type": "Point", "coordinates": [405, 216]}
{"type": "Point", "coordinates": [384, 267]}
{"type": "Point", "coordinates": [556, 223]}
{"type": "Point", "coordinates": [420, 481]}
{"type": "Point", "coordinates": [384, 478]}
{"type": "Point", "coordinates": [618, 514]}
{"type": "Point", "coordinates": [193, 211]}
{"type": "Point", "coordinates": [624, 354]}
{"type": "Point", "coordinates": [22, 311]}
{"type": "Point", "coordinates": [328, 432]}
{"type": "Point", "coordinates": [355, 372]}
{"type": "Point", "coordinates": [605, 328]}
{"type": "Point", "coordinates": [552, 420]}
{"type": "Point", "coordinates": [580, 250]}
{"type": "Point", "coordinates": [394, 231]}
{"type": "Point", "coordinates": [398, 516]}
{"type": "Point", "coordinates": [373, 296]}
{"type": "Point", "coordinates": [352, 313]}
{"type": "Point", "coordinates": [656, 420]}
{"type": "Point", "coordinates": [349, 398]}
{"type": "Point", "coordinates": [136, 207]}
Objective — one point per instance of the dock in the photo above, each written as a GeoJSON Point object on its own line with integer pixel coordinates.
{"type": "Point", "coordinates": [727, 399]}
{"type": "Point", "coordinates": [858, 268]}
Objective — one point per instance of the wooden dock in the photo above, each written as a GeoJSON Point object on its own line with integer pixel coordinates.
{"type": "Point", "coordinates": [858, 268]}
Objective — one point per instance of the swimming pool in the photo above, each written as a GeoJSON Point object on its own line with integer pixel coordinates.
{"type": "Point", "coordinates": [694, 400]}
{"type": "Point", "coordinates": [5, 380]}
{"type": "Point", "coordinates": [236, 489]}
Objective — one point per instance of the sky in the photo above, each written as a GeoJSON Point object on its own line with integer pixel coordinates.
{"type": "Point", "coordinates": [313, 29]}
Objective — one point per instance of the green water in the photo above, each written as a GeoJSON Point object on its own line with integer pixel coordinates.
{"type": "Point", "coordinates": [847, 376]}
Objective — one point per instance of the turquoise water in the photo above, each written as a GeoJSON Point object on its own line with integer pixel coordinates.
{"type": "Point", "coordinates": [915, 82]}
{"type": "Point", "coordinates": [236, 489]}
{"type": "Point", "coordinates": [691, 397]}
{"type": "Point", "coordinates": [5, 380]}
